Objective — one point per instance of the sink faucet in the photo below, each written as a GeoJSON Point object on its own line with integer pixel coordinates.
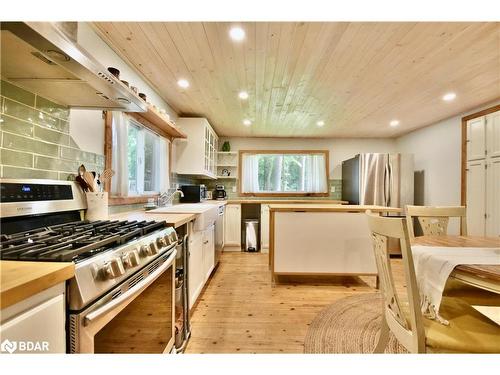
{"type": "Point", "coordinates": [164, 199]}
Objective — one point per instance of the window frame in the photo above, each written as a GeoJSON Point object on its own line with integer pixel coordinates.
{"type": "Point", "coordinates": [108, 149]}
{"type": "Point", "coordinates": [326, 154]}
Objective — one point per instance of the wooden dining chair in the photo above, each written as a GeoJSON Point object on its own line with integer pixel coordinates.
{"type": "Point", "coordinates": [468, 330]}
{"type": "Point", "coordinates": [434, 220]}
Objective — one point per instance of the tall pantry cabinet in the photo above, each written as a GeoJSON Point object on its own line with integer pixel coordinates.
{"type": "Point", "coordinates": [483, 175]}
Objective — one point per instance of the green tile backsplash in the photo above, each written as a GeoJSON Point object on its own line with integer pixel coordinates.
{"type": "Point", "coordinates": [35, 140]}
{"type": "Point", "coordinates": [229, 184]}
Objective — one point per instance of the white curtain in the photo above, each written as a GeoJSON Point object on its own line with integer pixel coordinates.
{"type": "Point", "coordinates": [315, 174]}
{"type": "Point", "coordinates": [119, 158]}
{"type": "Point", "coordinates": [250, 173]}
{"type": "Point", "coordinates": [163, 168]}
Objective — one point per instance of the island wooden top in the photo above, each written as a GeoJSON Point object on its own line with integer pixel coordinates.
{"type": "Point", "coordinates": [315, 207]}
{"type": "Point", "coordinates": [21, 280]}
{"type": "Point", "coordinates": [174, 220]}
{"type": "Point", "coordinates": [285, 201]}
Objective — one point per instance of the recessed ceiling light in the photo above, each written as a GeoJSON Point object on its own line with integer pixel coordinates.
{"type": "Point", "coordinates": [243, 95]}
{"type": "Point", "coordinates": [394, 123]}
{"type": "Point", "coordinates": [449, 96]}
{"type": "Point", "coordinates": [183, 83]}
{"type": "Point", "coordinates": [247, 122]}
{"type": "Point", "coordinates": [237, 34]}
{"type": "Point", "coordinates": [320, 123]}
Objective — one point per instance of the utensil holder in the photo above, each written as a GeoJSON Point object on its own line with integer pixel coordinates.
{"type": "Point", "coordinates": [97, 206]}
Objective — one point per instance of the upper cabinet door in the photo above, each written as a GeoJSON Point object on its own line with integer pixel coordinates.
{"type": "Point", "coordinates": [493, 134]}
{"type": "Point", "coordinates": [476, 139]}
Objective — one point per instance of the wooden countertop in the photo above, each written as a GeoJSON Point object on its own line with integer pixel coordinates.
{"type": "Point", "coordinates": [174, 220]}
{"type": "Point", "coordinates": [21, 280]}
{"type": "Point", "coordinates": [286, 201]}
{"type": "Point", "coordinates": [314, 207]}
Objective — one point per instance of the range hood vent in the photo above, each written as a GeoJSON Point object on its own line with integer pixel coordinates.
{"type": "Point", "coordinates": [44, 58]}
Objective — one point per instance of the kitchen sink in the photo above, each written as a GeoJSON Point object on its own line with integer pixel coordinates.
{"type": "Point", "coordinates": [206, 213]}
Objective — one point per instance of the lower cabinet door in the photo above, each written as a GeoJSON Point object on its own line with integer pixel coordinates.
{"type": "Point", "coordinates": [40, 329]}
{"type": "Point", "coordinates": [196, 279]}
{"type": "Point", "coordinates": [264, 228]}
{"type": "Point", "coordinates": [493, 198]}
{"type": "Point", "coordinates": [208, 251]}
{"type": "Point", "coordinates": [476, 198]}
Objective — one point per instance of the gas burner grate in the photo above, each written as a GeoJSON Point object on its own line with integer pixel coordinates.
{"type": "Point", "coordinates": [73, 241]}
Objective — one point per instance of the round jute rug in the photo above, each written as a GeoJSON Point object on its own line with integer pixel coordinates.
{"type": "Point", "coordinates": [350, 325]}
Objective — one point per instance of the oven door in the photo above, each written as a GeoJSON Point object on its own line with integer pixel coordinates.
{"type": "Point", "coordinates": [136, 317]}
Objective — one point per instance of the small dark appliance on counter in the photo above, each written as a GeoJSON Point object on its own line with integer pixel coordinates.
{"type": "Point", "coordinates": [219, 193]}
{"type": "Point", "coordinates": [193, 193]}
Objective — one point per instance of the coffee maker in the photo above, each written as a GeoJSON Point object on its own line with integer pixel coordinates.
{"type": "Point", "coordinates": [219, 193]}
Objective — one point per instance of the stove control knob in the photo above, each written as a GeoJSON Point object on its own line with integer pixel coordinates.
{"type": "Point", "coordinates": [167, 240]}
{"type": "Point", "coordinates": [160, 242]}
{"type": "Point", "coordinates": [113, 268]}
{"type": "Point", "coordinates": [153, 249]}
{"type": "Point", "coordinates": [131, 259]}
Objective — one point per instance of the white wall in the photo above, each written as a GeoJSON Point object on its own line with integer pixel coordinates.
{"type": "Point", "coordinates": [437, 150]}
{"type": "Point", "coordinates": [339, 148]}
{"type": "Point", "coordinates": [87, 126]}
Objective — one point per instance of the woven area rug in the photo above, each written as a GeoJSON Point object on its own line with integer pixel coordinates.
{"type": "Point", "coordinates": [350, 325]}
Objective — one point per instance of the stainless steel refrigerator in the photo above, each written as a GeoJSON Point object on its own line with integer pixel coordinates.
{"type": "Point", "coordinates": [378, 179]}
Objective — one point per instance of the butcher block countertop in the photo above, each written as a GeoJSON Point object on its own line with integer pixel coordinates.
{"type": "Point", "coordinates": [286, 201]}
{"type": "Point", "coordinates": [174, 220]}
{"type": "Point", "coordinates": [314, 207]}
{"type": "Point", "coordinates": [21, 280]}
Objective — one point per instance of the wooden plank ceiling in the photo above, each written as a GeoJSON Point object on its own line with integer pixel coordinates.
{"type": "Point", "coordinates": [356, 77]}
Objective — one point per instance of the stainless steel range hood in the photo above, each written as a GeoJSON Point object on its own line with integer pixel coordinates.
{"type": "Point", "coordinates": [44, 57]}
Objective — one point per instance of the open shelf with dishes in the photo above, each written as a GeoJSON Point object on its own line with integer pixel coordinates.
{"type": "Point", "coordinates": [227, 165]}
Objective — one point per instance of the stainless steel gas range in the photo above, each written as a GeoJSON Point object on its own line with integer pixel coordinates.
{"type": "Point", "coordinates": [122, 297]}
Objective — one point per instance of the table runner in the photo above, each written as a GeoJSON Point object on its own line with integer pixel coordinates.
{"type": "Point", "coordinates": [433, 266]}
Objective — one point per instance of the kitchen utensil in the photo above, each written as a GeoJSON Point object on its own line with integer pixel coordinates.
{"type": "Point", "coordinates": [107, 174]}
{"type": "Point", "coordinates": [89, 179]}
{"type": "Point", "coordinates": [81, 170]}
{"type": "Point", "coordinates": [82, 183]}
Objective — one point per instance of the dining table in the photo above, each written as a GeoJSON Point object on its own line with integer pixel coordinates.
{"type": "Point", "coordinates": [486, 277]}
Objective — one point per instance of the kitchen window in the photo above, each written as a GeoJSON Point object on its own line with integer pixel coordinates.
{"type": "Point", "coordinates": [139, 159]}
{"type": "Point", "coordinates": [285, 173]}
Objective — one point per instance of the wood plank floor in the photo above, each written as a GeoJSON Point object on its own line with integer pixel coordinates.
{"type": "Point", "coordinates": [242, 311]}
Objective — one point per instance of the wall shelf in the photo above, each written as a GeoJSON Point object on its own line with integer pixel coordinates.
{"type": "Point", "coordinates": [227, 177]}
{"type": "Point", "coordinates": [157, 122]}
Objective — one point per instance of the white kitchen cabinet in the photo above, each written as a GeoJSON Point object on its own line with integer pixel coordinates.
{"type": "Point", "coordinates": [197, 154]}
{"type": "Point", "coordinates": [264, 228]}
{"type": "Point", "coordinates": [37, 324]}
{"type": "Point", "coordinates": [476, 197]}
{"type": "Point", "coordinates": [476, 136]}
{"type": "Point", "coordinates": [493, 134]}
{"type": "Point", "coordinates": [483, 176]}
{"type": "Point", "coordinates": [232, 235]}
{"type": "Point", "coordinates": [196, 268]}
{"type": "Point", "coordinates": [208, 252]}
{"type": "Point", "coordinates": [493, 198]}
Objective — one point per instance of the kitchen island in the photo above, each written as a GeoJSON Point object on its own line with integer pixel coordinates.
{"type": "Point", "coordinates": [321, 239]}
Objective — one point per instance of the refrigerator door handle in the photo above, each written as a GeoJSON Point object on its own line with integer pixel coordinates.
{"type": "Point", "coordinates": [389, 188]}
{"type": "Point", "coordinates": [386, 184]}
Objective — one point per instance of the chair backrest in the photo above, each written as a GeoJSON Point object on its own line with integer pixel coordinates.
{"type": "Point", "coordinates": [409, 330]}
{"type": "Point", "coordinates": [434, 220]}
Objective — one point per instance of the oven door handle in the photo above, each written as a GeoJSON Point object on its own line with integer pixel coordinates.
{"type": "Point", "coordinates": [131, 293]}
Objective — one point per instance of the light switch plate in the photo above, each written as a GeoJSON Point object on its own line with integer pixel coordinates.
{"type": "Point", "coordinates": [234, 189]}
{"type": "Point", "coordinates": [332, 189]}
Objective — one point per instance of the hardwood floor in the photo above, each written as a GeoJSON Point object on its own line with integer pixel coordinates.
{"type": "Point", "coordinates": [242, 311]}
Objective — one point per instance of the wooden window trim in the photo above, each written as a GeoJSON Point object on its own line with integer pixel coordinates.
{"type": "Point", "coordinates": [484, 112]}
{"type": "Point", "coordinates": [108, 152]}
{"type": "Point", "coordinates": [286, 194]}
